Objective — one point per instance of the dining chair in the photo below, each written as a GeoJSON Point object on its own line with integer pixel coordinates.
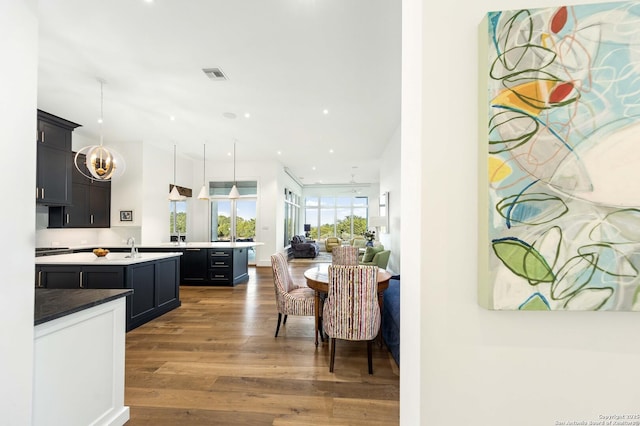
{"type": "Point", "coordinates": [291, 298]}
{"type": "Point", "coordinates": [351, 310]}
{"type": "Point", "coordinates": [345, 255]}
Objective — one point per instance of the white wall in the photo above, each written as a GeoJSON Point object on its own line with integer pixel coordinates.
{"type": "Point", "coordinates": [18, 84]}
{"type": "Point", "coordinates": [390, 182]}
{"type": "Point", "coordinates": [480, 367]}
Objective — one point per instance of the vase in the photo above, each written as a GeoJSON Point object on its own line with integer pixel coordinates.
{"type": "Point", "coordinates": [369, 244]}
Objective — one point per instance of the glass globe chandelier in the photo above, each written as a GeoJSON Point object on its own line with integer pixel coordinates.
{"type": "Point", "coordinates": [98, 162]}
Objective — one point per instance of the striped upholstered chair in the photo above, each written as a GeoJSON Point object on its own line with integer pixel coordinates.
{"type": "Point", "coordinates": [351, 310]}
{"type": "Point", "coordinates": [344, 255]}
{"type": "Point", "coordinates": [291, 298]}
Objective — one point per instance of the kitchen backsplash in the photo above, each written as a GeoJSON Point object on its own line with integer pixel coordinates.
{"type": "Point", "coordinates": [84, 236]}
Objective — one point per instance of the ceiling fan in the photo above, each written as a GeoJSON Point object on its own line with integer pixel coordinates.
{"type": "Point", "coordinates": [354, 189]}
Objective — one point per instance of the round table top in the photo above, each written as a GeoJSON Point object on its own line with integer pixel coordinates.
{"type": "Point", "coordinates": [318, 278]}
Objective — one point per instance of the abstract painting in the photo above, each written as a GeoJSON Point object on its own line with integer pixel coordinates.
{"type": "Point", "coordinates": [564, 158]}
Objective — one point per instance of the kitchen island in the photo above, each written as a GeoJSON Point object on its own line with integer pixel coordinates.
{"type": "Point", "coordinates": [203, 263]}
{"type": "Point", "coordinates": [153, 277]}
{"type": "Point", "coordinates": [79, 356]}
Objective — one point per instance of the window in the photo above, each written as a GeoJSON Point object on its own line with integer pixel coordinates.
{"type": "Point", "coordinates": [233, 220]}
{"type": "Point", "coordinates": [291, 215]}
{"type": "Point", "coordinates": [177, 220]}
{"type": "Point", "coordinates": [343, 217]}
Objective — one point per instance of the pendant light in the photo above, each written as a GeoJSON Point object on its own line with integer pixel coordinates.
{"type": "Point", "coordinates": [234, 194]}
{"type": "Point", "coordinates": [97, 162]}
{"type": "Point", "coordinates": [204, 193]}
{"type": "Point", "coordinates": [174, 195]}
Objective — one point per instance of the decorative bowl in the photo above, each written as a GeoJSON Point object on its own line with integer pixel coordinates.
{"type": "Point", "coordinates": [100, 252]}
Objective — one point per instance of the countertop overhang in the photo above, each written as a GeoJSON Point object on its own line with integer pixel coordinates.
{"type": "Point", "coordinates": [52, 304]}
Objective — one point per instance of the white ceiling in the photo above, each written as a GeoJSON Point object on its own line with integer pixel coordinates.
{"type": "Point", "coordinates": [286, 61]}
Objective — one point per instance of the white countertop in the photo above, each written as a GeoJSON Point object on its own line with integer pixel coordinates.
{"type": "Point", "coordinates": [109, 259]}
{"type": "Point", "coordinates": [205, 244]}
{"type": "Point", "coordinates": [194, 244]}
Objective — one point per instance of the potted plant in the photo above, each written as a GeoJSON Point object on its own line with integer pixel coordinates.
{"type": "Point", "coordinates": [370, 236]}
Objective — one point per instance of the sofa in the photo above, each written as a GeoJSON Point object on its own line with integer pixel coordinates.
{"type": "Point", "coordinates": [390, 325]}
{"type": "Point", "coordinates": [301, 248]}
{"type": "Point", "coordinates": [358, 241]}
{"type": "Point", "coordinates": [377, 256]}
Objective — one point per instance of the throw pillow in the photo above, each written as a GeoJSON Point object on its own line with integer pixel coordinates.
{"type": "Point", "coordinates": [370, 252]}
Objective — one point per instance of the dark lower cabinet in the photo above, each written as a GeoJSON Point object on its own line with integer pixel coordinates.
{"type": "Point", "coordinates": [155, 284]}
{"type": "Point", "coordinates": [228, 266]}
{"type": "Point", "coordinates": [209, 266]}
{"type": "Point", "coordinates": [194, 266]}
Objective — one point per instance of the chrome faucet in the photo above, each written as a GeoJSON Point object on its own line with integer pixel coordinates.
{"type": "Point", "coordinates": [132, 242]}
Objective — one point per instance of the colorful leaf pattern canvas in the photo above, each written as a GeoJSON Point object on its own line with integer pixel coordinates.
{"type": "Point", "coordinates": [564, 157]}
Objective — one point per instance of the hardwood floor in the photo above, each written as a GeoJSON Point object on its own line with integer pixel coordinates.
{"type": "Point", "coordinates": [215, 361]}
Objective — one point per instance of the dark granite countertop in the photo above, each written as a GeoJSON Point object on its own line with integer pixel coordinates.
{"type": "Point", "coordinates": [51, 304]}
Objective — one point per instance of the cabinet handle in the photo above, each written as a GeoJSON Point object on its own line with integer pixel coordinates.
{"type": "Point", "coordinates": [42, 136]}
{"type": "Point", "coordinates": [81, 276]}
{"type": "Point", "coordinates": [192, 249]}
{"type": "Point", "coordinates": [37, 192]}
{"type": "Point", "coordinates": [67, 217]}
{"type": "Point", "coordinates": [219, 263]}
{"type": "Point", "coordinates": [39, 278]}
{"type": "Point", "coordinates": [42, 193]}
{"type": "Point", "coordinates": [91, 219]}
{"type": "Point", "coordinates": [219, 276]}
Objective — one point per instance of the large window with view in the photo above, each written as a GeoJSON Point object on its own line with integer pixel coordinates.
{"type": "Point", "coordinates": [342, 217]}
{"type": "Point", "coordinates": [234, 219]}
{"type": "Point", "coordinates": [291, 215]}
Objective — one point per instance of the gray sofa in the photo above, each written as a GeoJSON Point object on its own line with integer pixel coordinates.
{"type": "Point", "coordinates": [301, 248]}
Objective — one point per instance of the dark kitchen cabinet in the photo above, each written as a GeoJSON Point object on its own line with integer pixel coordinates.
{"type": "Point", "coordinates": [54, 160]}
{"type": "Point", "coordinates": [228, 266]}
{"type": "Point", "coordinates": [194, 265]}
{"type": "Point", "coordinates": [155, 284]}
{"type": "Point", "coordinates": [90, 206]}
{"type": "Point", "coordinates": [71, 277]}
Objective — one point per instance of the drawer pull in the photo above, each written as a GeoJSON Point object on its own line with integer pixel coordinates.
{"type": "Point", "coordinates": [220, 263]}
{"type": "Point", "coordinates": [192, 249]}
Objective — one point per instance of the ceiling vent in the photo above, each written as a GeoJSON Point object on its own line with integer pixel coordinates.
{"type": "Point", "coordinates": [215, 74]}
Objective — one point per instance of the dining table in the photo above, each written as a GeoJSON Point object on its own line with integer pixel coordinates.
{"type": "Point", "coordinates": [318, 280]}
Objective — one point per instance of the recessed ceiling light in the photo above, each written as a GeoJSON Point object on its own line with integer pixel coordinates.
{"type": "Point", "coordinates": [172, 117]}
{"type": "Point", "coordinates": [325, 111]}
{"type": "Point", "coordinates": [99, 120]}
{"type": "Point", "coordinates": [279, 152]}
{"type": "Point", "coordinates": [331, 151]}
{"type": "Point", "coordinates": [313, 167]}
{"type": "Point", "coordinates": [247, 115]}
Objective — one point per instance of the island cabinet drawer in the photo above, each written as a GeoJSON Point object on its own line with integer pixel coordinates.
{"type": "Point", "coordinates": [220, 276]}
{"type": "Point", "coordinates": [220, 258]}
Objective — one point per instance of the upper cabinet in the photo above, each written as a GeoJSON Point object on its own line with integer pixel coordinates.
{"type": "Point", "coordinates": [54, 160]}
{"type": "Point", "coordinates": [90, 204]}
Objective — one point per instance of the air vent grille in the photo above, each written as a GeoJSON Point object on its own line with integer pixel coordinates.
{"type": "Point", "coordinates": [215, 74]}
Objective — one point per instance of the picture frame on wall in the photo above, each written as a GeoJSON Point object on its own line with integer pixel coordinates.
{"type": "Point", "coordinates": [126, 215]}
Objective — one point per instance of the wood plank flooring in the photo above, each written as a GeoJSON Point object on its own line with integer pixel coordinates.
{"type": "Point", "coordinates": [215, 361]}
